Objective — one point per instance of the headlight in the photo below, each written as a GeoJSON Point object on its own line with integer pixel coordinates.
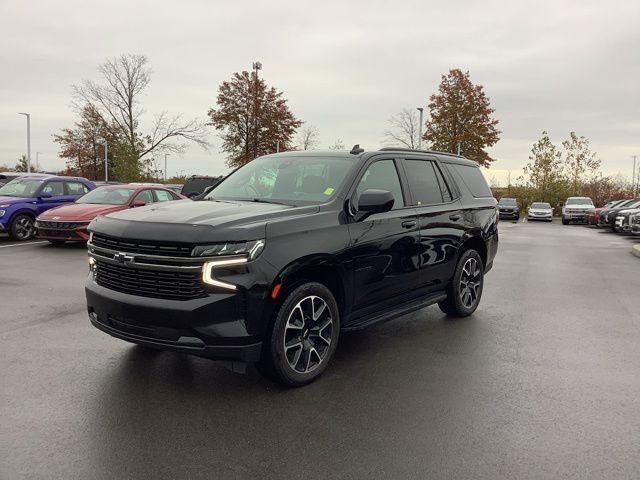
{"type": "Point", "coordinates": [231, 254]}
{"type": "Point", "coordinates": [1, 213]}
{"type": "Point", "coordinates": [251, 249]}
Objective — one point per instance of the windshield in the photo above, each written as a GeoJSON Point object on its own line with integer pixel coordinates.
{"type": "Point", "coordinates": [509, 202]}
{"type": "Point", "coordinates": [108, 196]}
{"type": "Point", "coordinates": [288, 180]}
{"type": "Point", "coordinates": [541, 205]}
{"type": "Point", "coordinates": [579, 201]}
{"type": "Point", "coordinates": [20, 187]}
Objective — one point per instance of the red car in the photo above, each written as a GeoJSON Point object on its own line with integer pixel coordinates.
{"type": "Point", "coordinates": [68, 223]}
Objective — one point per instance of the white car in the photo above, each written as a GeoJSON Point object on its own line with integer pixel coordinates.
{"type": "Point", "coordinates": [577, 209]}
{"type": "Point", "coordinates": [540, 211]}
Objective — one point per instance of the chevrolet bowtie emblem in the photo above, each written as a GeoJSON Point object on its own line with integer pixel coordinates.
{"type": "Point", "coordinates": [123, 258]}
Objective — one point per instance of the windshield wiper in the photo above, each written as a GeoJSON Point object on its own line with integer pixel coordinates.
{"type": "Point", "coordinates": [263, 200]}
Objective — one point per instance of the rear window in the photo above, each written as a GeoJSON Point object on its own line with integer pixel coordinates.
{"type": "Point", "coordinates": [473, 179]}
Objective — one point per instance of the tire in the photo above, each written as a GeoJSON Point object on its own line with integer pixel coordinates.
{"type": "Point", "coordinates": [565, 221]}
{"type": "Point", "coordinates": [469, 270]}
{"type": "Point", "coordinates": [57, 243]}
{"type": "Point", "coordinates": [299, 347]}
{"type": "Point", "coordinates": [22, 227]}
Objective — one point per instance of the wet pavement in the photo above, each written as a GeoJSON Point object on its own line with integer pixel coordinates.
{"type": "Point", "coordinates": [542, 382]}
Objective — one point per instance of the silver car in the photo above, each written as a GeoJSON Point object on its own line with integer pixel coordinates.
{"type": "Point", "coordinates": [540, 211]}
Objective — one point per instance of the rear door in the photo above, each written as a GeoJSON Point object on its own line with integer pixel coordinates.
{"type": "Point", "coordinates": [440, 219]}
{"type": "Point", "coordinates": [74, 190]}
{"type": "Point", "coordinates": [384, 246]}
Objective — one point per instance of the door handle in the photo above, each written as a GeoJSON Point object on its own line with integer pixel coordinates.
{"type": "Point", "coordinates": [409, 224]}
{"type": "Point", "coordinates": [455, 217]}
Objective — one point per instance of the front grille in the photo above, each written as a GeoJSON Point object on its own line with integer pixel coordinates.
{"type": "Point", "coordinates": [62, 225]}
{"type": "Point", "coordinates": [163, 249]}
{"type": "Point", "coordinates": [635, 220]}
{"type": "Point", "coordinates": [170, 285]}
{"type": "Point", "coordinates": [58, 233]}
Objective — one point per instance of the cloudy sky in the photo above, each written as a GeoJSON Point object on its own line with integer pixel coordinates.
{"type": "Point", "coordinates": [345, 67]}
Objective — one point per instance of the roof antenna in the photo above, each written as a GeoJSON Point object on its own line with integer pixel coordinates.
{"type": "Point", "coordinates": [356, 150]}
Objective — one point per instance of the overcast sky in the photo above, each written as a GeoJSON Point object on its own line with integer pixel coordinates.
{"type": "Point", "coordinates": [345, 67]}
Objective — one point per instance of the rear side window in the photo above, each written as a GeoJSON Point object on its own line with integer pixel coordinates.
{"type": "Point", "coordinates": [473, 179]}
{"type": "Point", "coordinates": [423, 182]}
{"type": "Point", "coordinates": [77, 188]}
{"type": "Point", "coordinates": [163, 196]}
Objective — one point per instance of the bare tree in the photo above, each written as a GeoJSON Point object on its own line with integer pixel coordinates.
{"type": "Point", "coordinates": [404, 130]}
{"type": "Point", "coordinates": [337, 145]}
{"type": "Point", "coordinates": [117, 97]}
{"type": "Point", "coordinates": [309, 138]}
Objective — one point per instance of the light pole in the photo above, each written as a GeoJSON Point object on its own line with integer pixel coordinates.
{"type": "Point", "coordinates": [37, 160]}
{"type": "Point", "coordinates": [633, 177]}
{"type": "Point", "coordinates": [28, 115]}
{"type": "Point", "coordinates": [420, 109]}
{"type": "Point", "coordinates": [106, 163]}
{"type": "Point", "coordinates": [165, 166]}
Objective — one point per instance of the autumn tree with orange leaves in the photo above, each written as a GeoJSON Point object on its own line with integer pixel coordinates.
{"type": "Point", "coordinates": [460, 119]}
{"type": "Point", "coordinates": [252, 118]}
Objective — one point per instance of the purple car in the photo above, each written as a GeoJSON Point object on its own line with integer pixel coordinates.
{"type": "Point", "coordinates": [24, 198]}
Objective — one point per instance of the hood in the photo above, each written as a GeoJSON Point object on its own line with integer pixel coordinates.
{"type": "Point", "coordinates": [77, 212]}
{"type": "Point", "coordinates": [629, 211]}
{"type": "Point", "coordinates": [541, 210]}
{"type": "Point", "coordinates": [9, 200]}
{"type": "Point", "coordinates": [580, 205]}
{"type": "Point", "coordinates": [203, 221]}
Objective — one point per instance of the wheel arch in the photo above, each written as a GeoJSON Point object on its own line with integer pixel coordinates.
{"type": "Point", "coordinates": [477, 243]}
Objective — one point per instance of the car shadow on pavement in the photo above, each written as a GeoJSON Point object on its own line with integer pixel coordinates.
{"type": "Point", "coordinates": [152, 399]}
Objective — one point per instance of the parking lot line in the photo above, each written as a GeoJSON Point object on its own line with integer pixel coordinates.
{"type": "Point", "coordinates": [22, 244]}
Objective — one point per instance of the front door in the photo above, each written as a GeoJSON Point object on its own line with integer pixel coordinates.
{"type": "Point", "coordinates": [384, 246]}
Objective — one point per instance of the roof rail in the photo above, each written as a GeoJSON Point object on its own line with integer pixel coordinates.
{"type": "Point", "coordinates": [400, 149]}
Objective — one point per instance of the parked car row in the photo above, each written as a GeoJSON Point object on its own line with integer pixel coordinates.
{"type": "Point", "coordinates": [622, 216]}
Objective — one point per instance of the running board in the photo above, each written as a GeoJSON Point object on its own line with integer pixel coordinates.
{"type": "Point", "coordinates": [423, 302]}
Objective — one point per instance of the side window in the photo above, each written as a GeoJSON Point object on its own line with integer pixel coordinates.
{"type": "Point", "coordinates": [163, 196]}
{"type": "Point", "coordinates": [56, 189]}
{"type": "Point", "coordinates": [145, 196]}
{"type": "Point", "coordinates": [474, 180]}
{"type": "Point", "coordinates": [423, 182]}
{"type": "Point", "coordinates": [76, 188]}
{"type": "Point", "coordinates": [382, 175]}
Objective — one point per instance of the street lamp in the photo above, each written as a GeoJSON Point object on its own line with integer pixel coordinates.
{"type": "Point", "coordinates": [165, 166]}
{"type": "Point", "coordinates": [420, 109]}
{"type": "Point", "coordinates": [28, 115]}
{"type": "Point", "coordinates": [106, 164]}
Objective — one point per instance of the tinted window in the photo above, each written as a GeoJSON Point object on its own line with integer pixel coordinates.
{"type": "Point", "coordinates": [145, 196]}
{"type": "Point", "coordinates": [508, 202]}
{"type": "Point", "coordinates": [54, 188]}
{"type": "Point", "coordinates": [77, 188]}
{"type": "Point", "coordinates": [474, 180]}
{"type": "Point", "coordinates": [423, 182]}
{"type": "Point", "coordinates": [163, 196]}
{"type": "Point", "coordinates": [579, 201]}
{"type": "Point", "coordinates": [382, 175]}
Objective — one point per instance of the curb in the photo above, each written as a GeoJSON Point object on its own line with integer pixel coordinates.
{"type": "Point", "coordinates": [636, 250]}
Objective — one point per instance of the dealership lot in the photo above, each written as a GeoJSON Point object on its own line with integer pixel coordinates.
{"type": "Point", "coordinates": [541, 382]}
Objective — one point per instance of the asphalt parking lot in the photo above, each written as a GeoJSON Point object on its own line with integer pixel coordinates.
{"type": "Point", "coordinates": [542, 382]}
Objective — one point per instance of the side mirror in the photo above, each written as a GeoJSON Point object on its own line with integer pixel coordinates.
{"type": "Point", "coordinates": [139, 203]}
{"type": "Point", "coordinates": [375, 201]}
{"type": "Point", "coordinates": [45, 195]}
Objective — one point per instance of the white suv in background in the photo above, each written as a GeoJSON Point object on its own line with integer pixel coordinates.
{"type": "Point", "coordinates": [576, 209]}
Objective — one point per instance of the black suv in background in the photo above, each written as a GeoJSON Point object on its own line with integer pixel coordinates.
{"type": "Point", "coordinates": [508, 208]}
{"type": "Point", "coordinates": [290, 250]}
{"type": "Point", "coordinates": [195, 185]}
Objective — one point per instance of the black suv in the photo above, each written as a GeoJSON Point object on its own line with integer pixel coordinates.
{"type": "Point", "coordinates": [508, 208]}
{"type": "Point", "coordinates": [290, 250]}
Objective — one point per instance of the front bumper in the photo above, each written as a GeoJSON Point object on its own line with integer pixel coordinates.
{"type": "Point", "coordinates": [211, 327]}
{"type": "Point", "coordinates": [77, 234]}
{"type": "Point", "coordinates": [548, 218]}
{"type": "Point", "coordinates": [576, 217]}
{"type": "Point", "coordinates": [513, 214]}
